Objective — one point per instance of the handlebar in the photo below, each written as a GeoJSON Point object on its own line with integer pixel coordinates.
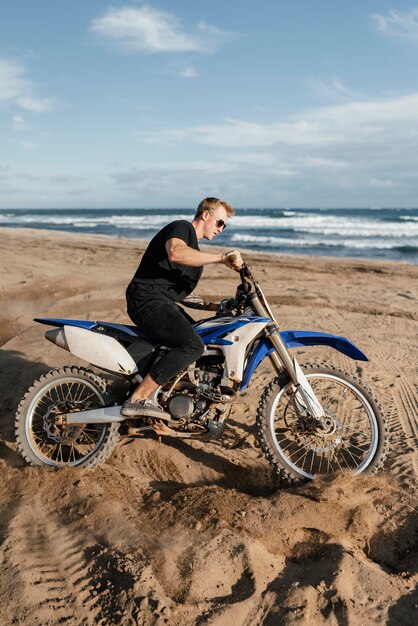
{"type": "Point", "coordinates": [247, 284]}
{"type": "Point", "coordinates": [245, 272]}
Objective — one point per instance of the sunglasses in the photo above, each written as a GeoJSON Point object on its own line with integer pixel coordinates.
{"type": "Point", "coordinates": [220, 223]}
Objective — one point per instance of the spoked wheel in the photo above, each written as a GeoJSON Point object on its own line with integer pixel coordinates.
{"type": "Point", "coordinates": [351, 437]}
{"type": "Point", "coordinates": [42, 436]}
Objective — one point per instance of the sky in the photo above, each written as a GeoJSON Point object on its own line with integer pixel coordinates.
{"type": "Point", "coordinates": [275, 103]}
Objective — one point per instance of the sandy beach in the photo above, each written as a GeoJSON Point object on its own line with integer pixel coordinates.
{"type": "Point", "coordinates": [191, 533]}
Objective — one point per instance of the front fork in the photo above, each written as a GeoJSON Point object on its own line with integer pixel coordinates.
{"type": "Point", "coordinates": [281, 357]}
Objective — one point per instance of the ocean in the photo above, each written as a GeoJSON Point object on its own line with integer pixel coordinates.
{"type": "Point", "coordinates": [390, 234]}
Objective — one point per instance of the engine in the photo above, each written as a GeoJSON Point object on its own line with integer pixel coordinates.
{"type": "Point", "coordinates": [181, 406]}
{"type": "Point", "coordinates": [200, 388]}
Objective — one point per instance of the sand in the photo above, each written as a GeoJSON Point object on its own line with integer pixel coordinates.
{"type": "Point", "coordinates": [184, 532]}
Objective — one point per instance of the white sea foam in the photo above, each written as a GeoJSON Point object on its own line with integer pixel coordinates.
{"type": "Point", "coordinates": [117, 221]}
{"type": "Point", "coordinates": [277, 242]}
{"type": "Point", "coordinates": [409, 218]}
{"type": "Point", "coordinates": [289, 213]}
{"type": "Point", "coordinates": [327, 225]}
{"type": "Point", "coordinates": [312, 223]}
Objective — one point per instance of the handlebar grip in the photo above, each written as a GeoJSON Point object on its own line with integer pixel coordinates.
{"type": "Point", "coordinates": [245, 271]}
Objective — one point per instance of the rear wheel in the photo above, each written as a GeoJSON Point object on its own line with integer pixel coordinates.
{"type": "Point", "coordinates": [43, 439]}
{"type": "Point", "coordinates": [352, 437]}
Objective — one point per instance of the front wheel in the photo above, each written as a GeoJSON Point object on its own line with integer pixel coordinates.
{"type": "Point", "coordinates": [351, 437]}
{"type": "Point", "coordinates": [43, 439]}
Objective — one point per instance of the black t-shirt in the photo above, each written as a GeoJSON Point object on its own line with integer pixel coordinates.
{"type": "Point", "coordinates": [156, 276]}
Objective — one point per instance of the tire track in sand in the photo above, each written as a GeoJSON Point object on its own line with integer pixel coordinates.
{"type": "Point", "coordinates": [49, 568]}
{"type": "Point", "coordinates": [401, 409]}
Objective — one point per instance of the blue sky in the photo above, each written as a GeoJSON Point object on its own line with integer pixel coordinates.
{"type": "Point", "coordinates": [158, 104]}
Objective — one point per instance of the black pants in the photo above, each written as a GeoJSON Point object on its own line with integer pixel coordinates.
{"type": "Point", "coordinates": [163, 321]}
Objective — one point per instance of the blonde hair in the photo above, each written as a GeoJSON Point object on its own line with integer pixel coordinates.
{"type": "Point", "coordinates": [208, 204]}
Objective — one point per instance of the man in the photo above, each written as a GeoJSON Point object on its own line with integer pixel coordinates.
{"type": "Point", "coordinates": [168, 272]}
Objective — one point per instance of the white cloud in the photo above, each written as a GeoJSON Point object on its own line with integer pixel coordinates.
{"type": "Point", "coordinates": [344, 124]}
{"type": "Point", "coordinates": [64, 179]}
{"type": "Point", "coordinates": [18, 123]}
{"type": "Point", "coordinates": [145, 29]}
{"type": "Point", "coordinates": [36, 105]}
{"type": "Point", "coordinates": [398, 24]}
{"type": "Point", "coordinates": [347, 146]}
{"type": "Point", "coordinates": [26, 176]}
{"type": "Point", "coordinates": [245, 183]}
{"type": "Point", "coordinates": [199, 178]}
{"type": "Point", "coordinates": [379, 183]}
{"type": "Point", "coordinates": [39, 189]}
{"type": "Point", "coordinates": [169, 137]}
{"type": "Point", "coordinates": [16, 89]}
{"type": "Point", "coordinates": [358, 149]}
{"type": "Point", "coordinates": [189, 72]}
{"type": "Point", "coordinates": [12, 81]}
{"type": "Point", "coordinates": [135, 175]}
{"type": "Point", "coordinates": [325, 163]}
{"type": "Point", "coordinates": [334, 89]}
{"type": "Point", "coordinates": [234, 133]}
{"type": "Point", "coordinates": [27, 145]}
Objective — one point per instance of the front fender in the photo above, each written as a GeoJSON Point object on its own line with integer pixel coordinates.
{"type": "Point", "coordinates": [297, 339]}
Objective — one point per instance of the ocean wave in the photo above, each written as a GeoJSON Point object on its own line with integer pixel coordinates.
{"type": "Point", "coordinates": [290, 221]}
{"type": "Point", "coordinates": [409, 218]}
{"type": "Point", "coordinates": [271, 241]}
{"type": "Point", "coordinates": [407, 249]}
{"type": "Point", "coordinates": [328, 225]}
{"type": "Point", "coordinates": [117, 221]}
{"type": "Point", "coordinates": [289, 213]}
{"type": "Point", "coordinates": [277, 242]}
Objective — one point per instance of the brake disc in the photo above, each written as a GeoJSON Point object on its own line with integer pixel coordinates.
{"type": "Point", "coordinates": [57, 431]}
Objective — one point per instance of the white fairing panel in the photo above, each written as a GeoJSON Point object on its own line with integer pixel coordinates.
{"type": "Point", "coordinates": [99, 350]}
{"type": "Point", "coordinates": [235, 353]}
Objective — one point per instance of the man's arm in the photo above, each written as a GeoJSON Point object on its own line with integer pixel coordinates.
{"type": "Point", "coordinates": [193, 301]}
{"type": "Point", "coordinates": [179, 252]}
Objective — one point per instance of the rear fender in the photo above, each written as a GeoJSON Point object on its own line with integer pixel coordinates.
{"type": "Point", "coordinates": [100, 350]}
{"type": "Point", "coordinates": [117, 348]}
{"type": "Point", "coordinates": [297, 339]}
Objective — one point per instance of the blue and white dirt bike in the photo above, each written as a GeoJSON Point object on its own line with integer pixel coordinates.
{"type": "Point", "coordinates": [311, 419]}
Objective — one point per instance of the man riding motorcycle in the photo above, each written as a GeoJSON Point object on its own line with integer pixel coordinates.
{"type": "Point", "coordinates": [169, 271]}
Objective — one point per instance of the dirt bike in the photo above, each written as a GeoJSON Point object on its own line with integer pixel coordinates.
{"type": "Point", "coordinates": [312, 419]}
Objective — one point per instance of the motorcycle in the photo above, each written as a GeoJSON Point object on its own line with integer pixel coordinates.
{"type": "Point", "coordinates": [312, 419]}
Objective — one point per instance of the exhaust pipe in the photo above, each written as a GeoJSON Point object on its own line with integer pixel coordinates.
{"type": "Point", "coordinates": [104, 415]}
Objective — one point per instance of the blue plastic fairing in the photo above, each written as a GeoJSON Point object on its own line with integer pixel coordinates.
{"type": "Point", "coordinates": [89, 325]}
{"type": "Point", "coordinates": [296, 339]}
{"type": "Point", "coordinates": [213, 330]}
{"type": "Point", "coordinates": [51, 321]}
{"type": "Point", "coordinates": [125, 328]}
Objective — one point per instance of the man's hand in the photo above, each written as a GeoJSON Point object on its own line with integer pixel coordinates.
{"type": "Point", "coordinates": [233, 260]}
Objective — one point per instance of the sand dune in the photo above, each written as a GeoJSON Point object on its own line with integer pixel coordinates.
{"type": "Point", "coordinates": [192, 533]}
